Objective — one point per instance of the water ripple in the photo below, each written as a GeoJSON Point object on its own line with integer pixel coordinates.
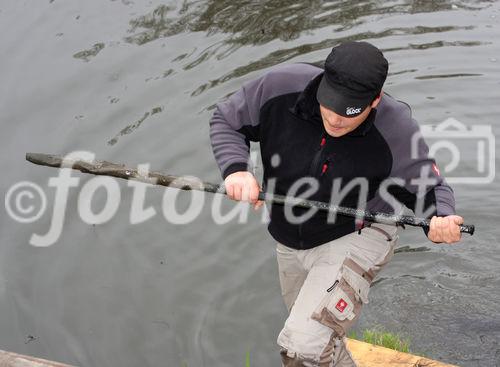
{"type": "Point", "coordinates": [283, 55]}
{"type": "Point", "coordinates": [436, 76]}
{"type": "Point", "coordinates": [86, 55]}
{"type": "Point", "coordinates": [134, 126]}
{"type": "Point", "coordinates": [266, 21]}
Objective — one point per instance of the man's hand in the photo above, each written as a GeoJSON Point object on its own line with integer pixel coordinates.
{"type": "Point", "coordinates": [242, 186]}
{"type": "Point", "coordinates": [445, 229]}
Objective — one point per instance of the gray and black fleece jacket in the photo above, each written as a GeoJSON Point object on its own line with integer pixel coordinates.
{"type": "Point", "coordinates": [280, 111]}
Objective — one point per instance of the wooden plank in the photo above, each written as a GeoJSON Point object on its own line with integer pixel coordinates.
{"type": "Point", "coordinates": [9, 359]}
{"type": "Point", "coordinates": [368, 355]}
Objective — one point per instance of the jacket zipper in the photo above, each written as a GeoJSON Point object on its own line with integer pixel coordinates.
{"type": "Point", "coordinates": [324, 168]}
{"type": "Point", "coordinates": [313, 171]}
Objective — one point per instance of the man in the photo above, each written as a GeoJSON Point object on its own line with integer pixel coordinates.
{"type": "Point", "coordinates": [330, 135]}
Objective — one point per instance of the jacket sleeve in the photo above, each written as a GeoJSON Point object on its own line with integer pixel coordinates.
{"type": "Point", "coordinates": [234, 124]}
{"type": "Point", "coordinates": [236, 120]}
{"type": "Point", "coordinates": [425, 191]}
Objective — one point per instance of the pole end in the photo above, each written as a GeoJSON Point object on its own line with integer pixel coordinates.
{"type": "Point", "coordinates": [468, 228]}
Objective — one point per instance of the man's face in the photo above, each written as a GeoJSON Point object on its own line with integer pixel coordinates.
{"type": "Point", "coordinates": [337, 125]}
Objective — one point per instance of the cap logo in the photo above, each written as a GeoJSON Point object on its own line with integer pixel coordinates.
{"type": "Point", "coordinates": [352, 110]}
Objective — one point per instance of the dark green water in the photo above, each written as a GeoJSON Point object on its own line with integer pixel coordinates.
{"type": "Point", "coordinates": [135, 82]}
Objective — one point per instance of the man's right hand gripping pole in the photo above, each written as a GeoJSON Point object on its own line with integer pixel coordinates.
{"type": "Point", "coordinates": [242, 186]}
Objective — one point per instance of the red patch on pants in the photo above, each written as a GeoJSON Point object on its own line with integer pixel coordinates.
{"type": "Point", "coordinates": [341, 305]}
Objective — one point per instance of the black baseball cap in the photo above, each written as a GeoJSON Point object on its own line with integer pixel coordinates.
{"type": "Point", "coordinates": [354, 75]}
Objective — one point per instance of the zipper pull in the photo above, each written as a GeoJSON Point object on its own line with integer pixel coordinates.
{"type": "Point", "coordinates": [333, 286]}
{"type": "Point", "coordinates": [325, 167]}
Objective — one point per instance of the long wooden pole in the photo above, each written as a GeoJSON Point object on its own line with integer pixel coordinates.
{"type": "Point", "coordinates": [190, 183]}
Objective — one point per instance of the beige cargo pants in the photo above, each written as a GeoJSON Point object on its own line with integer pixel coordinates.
{"type": "Point", "coordinates": [324, 289]}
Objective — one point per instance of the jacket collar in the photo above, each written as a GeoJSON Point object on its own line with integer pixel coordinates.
{"type": "Point", "coordinates": [307, 107]}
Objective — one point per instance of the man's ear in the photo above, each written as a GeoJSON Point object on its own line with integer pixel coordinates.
{"type": "Point", "coordinates": [377, 100]}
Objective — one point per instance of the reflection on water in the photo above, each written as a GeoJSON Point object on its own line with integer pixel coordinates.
{"type": "Point", "coordinates": [285, 54]}
{"type": "Point", "coordinates": [130, 128]}
{"type": "Point", "coordinates": [86, 55]}
{"type": "Point", "coordinates": [266, 21]}
{"type": "Point", "coordinates": [258, 22]}
{"type": "Point", "coordinates": [165, 74]}
{"type": "Point", "coordinates": [423, 77]}
{"type": "Point", "coordinates": [411, 249]}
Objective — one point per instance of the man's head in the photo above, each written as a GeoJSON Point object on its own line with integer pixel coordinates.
{"type": "Point", "coordinates": [337, 125]}
{"type": "Point", "coordinates": [352, 84]}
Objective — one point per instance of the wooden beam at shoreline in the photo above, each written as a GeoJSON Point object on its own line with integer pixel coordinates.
{"type": "Point", "coordinates": [9, 359]}
{"type": "Point", "coordinates": [365, 355]}
{"type": "Point", "coordinates": [368, 355]}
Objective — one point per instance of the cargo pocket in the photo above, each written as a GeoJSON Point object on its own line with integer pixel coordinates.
{"type": "Point", "coordinates": [343, 301]}
{"type": "Point", "coordinates": [357, 282]}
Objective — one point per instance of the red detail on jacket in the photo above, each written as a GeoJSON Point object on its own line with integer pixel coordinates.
{"type": "Point", "coordinates": [436, 169]}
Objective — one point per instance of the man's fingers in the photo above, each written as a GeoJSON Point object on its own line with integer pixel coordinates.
{"type": "Point", "coordinates": [250, 193]}
{"type": "Point", "coordinates": [258, 204]}
{"type": "Point", "coordinates": [448, 230]}
{"type": "Point", "coordinates": [230, 191]}
{"type": "Point", "coordinates": [451, 232]}
{"type": "Point", "coordinates": [439, 229]}
{"type": "Point", "coordinates": [434, 229]}
{"type": "Point", "coordinates": [254, 194]}
{"type": "Point", "coordinates": [458, 219]}
{"type": "Point", "coordinates": [445, 229]}
{"type": "Point", "coordinates": [457, 235]}
{"type": "Point", "coordinates": [242, 186]}
{"type": "Point", "coordinates": [245, 193]}
{"type": "Point", "coordinates": [237, 192]}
